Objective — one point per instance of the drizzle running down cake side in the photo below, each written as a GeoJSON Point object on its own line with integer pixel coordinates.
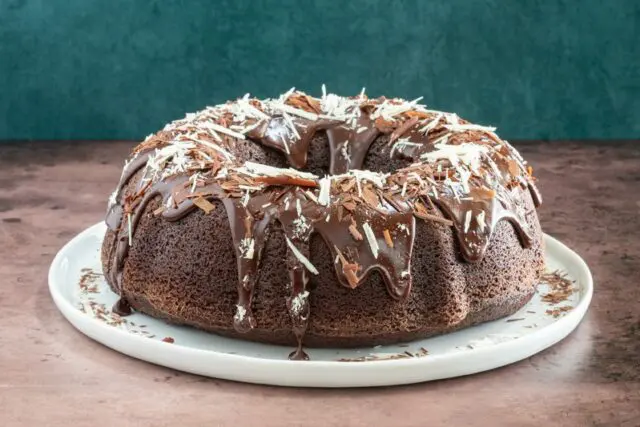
{"type": "Point", "coordinates": [332, 221]}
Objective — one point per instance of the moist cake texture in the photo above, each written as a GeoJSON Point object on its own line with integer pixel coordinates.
{"type": "Point", "coordinates": [330, 221]}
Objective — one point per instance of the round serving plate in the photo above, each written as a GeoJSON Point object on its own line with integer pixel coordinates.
{"type": "Point", "coordinates": [84, 298]}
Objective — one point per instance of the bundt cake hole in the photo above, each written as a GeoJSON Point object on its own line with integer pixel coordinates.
{"type": "Point", "coordinates": [378, 157]}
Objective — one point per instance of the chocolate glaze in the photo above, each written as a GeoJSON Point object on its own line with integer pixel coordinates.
{"type": "Point", "coordinates": [474, 239]}
{"type": "Point", "coordinates": [347, 146]}
{"type": "Point", "coordinates": [122, 307]}
{"type": "Point", "coordinates": [392, 222]}
{"type": "Point", "coordinates": [394, 263]}
{"type": "Point", "coordinates": [244, 226]}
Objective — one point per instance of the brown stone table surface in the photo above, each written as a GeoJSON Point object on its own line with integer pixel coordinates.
{"type": "Point", "coordinates": [52, 375]}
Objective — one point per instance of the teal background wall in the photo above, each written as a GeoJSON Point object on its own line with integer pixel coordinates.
{"type": "Point", "coordinates": [119, 69]}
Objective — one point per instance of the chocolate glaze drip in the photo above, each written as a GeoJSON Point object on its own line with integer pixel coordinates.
{"type": "Point", "coordinates": [298, 235]}
{"type": "Point", "coordinates": [361, 240]}
{"type": "Point", "coordinates": [349, 146]}
{"type": "Point", "coordinates": [535, 194]}
{"type": "Point", "coordinates": [122, 307]}
{"type": "Point", "coordinates": [249, 236]}
{"type": "Point", "coordinates": [472, 234]}
{"type": "Point", "coordinates": [393, 262]}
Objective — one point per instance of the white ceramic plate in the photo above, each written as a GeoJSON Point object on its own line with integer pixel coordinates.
{"type": "Point", "coordinates": [465, 352]}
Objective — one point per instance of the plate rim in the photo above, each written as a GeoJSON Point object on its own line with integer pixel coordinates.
{"type": "Point", "coordinates": [88, 326]}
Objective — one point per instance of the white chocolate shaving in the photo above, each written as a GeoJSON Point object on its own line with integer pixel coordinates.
{"type": "Point", "coordinates": [324, 198]}
{"type": "Point", "coordinates": [480, 221]}
{"type": "Point", "coordinates": [467, 221]}
{"type": "Point", "coordinates": [216, 127]}
{"type": "Point", "coordinates": [295, 111]}
{"type": "Point", "coordinates": [247, 247]}
{"type": "Point", "coordinates": [299, 302]}
{"type": "Point", "coordinates": [301, 257]}
{"type": "Point", "coordinates": [371, 238]}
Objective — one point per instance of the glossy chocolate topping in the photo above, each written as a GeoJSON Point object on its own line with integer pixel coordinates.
{"type": "Point", "coordinates": [457, 174]}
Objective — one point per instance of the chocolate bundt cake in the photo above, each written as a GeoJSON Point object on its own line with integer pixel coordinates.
{"type": "Point", "coordinates": [332, 221]}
